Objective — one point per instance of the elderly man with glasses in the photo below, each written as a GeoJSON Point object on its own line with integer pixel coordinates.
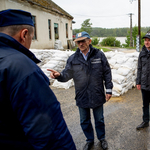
{"type": "Point", "coordinates": [90, 71]}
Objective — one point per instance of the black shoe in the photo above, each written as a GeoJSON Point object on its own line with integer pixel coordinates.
{"type": "Point", "coordinates": [104, 144]}
{"type": "Point", "coordinates": [88, 146]}
{"type": "Point", "coordinates": [142, 125]}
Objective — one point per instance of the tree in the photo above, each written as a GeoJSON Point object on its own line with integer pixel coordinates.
{"type": "Point", "coordinates": [95, 41]}
{"type": "Point", "coordinates": [134, 35]}
{"type": "Point", "coordinates": [86, 26]}
{"type": "Point", "coordinates": [110, 41]}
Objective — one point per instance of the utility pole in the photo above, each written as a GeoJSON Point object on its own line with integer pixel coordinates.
{"type": "Point", "coordinates": [131, 41]}
{"type": "Point", "coordinates": [138, 40]}
{"type": "Point", "coordinates": [139, 22]}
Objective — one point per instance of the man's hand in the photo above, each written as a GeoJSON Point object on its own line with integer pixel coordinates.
{"type": "Point", "coordinates": [138, 86]}
{"type": "Point", "coordinates": [108, 96]}
{"type": "Point", "coordinates": [54, 74]}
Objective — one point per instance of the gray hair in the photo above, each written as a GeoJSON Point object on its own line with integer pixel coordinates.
{"type": "Point", "coordinates": [14, 29]}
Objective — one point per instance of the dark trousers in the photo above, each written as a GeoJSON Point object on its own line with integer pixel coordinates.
{"type": "Point", "coordinates": [146, 101]}
{"type": "Point", "coordinates": [86, 125]}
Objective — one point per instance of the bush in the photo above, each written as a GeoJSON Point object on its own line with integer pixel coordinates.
{"type": "Point", "coordinates": [95, 41]}
{"type": "Point", "coordinates": [110, 41]}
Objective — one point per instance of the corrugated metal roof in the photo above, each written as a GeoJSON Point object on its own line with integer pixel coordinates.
{"type": "Point", "coordinates": [49, 5]}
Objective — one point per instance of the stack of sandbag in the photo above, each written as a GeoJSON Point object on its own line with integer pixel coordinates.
{"type": "Point", "coordinates": [56, 60]}
{"type": "Point", "coordinates": [124, 69]}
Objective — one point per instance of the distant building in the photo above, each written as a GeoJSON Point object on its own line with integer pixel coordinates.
{"type": "Point", "coordinates": [51, 21]}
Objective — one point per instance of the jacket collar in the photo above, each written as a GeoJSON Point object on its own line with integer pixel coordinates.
{"type": "Point", "coordinates": [79, 56]}
{"type": "Point", "coordinates": [11, 42]}
{"type": "Point", "coordinates": [91, 50]}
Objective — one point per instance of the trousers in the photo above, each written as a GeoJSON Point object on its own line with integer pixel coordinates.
{"type": "Point", "coordinates": [86, 125]}
{"type": "Point", "coordinates": [146, 101]}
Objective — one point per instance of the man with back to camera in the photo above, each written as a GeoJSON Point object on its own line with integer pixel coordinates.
{"type": "Point", "coordinates": [89, 68]}
{"type": "Point", "coordinates": [143, 79]}
{"type": "Point", "coordinates": [28, 107]}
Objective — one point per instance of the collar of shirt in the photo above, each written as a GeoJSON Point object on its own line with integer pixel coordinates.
{"type": "Point", "coordinates": [85, 56]}
{"type": "Point", "coordinates": [147, 50]}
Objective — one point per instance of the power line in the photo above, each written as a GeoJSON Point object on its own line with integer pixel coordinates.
{"type": "Point", "coordinates": [99, 16]}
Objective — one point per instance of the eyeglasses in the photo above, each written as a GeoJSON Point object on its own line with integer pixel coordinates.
{"type": "Point", "coordinates": [82, 41]}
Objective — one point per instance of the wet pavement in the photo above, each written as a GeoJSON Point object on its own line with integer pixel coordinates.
{"type": "Point", "coordinates": [122, 115]}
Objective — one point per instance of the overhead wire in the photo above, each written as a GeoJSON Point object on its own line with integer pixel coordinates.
{"type": "Point", "coordinates": [98, 16]}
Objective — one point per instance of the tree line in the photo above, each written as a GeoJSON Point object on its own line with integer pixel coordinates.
{"type": "Point", "coordinates": [113, 32]}
{"type": "Point", "coordinates": [96, 32]}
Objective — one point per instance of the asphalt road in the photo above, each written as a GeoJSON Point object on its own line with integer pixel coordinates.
{"type": "Point", "coordinates": [122, 115]}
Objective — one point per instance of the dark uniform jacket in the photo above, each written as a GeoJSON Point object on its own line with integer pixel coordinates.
{"type": "Point", "coordinates": [89, 77]}
{"type": "Point", "coordinates": [30, 115]}
{"type": "Point", "coordinates": [143, 71]}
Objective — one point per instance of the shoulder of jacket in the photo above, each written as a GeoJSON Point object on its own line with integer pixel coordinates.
{"type": "Point", "coordinates": [142, 53]}
{"type": "Point", "coordinates": [71, 57]}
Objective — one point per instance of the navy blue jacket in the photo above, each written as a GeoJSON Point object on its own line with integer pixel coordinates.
{"type": "Point", "coordinates": [30, 115]}
{"type": "Point", "coordinates": [143, 70]}
{"type": "Point", "coordinates": [89, 77]}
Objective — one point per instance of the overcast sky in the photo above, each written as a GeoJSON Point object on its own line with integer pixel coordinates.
{"type": "Point", "coordinates": [106, 13]}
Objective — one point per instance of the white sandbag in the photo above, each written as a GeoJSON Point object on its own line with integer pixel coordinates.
{"type": "Point", "coordinates": [112, 62]}
{"type": "Point", "coordinates": [109, 54]}
{"type": "Point", "coordinates": [135, 54]}
{"type": "Point", "coordinates": [59, 59]}
{"type": "Point", "coordinates": [130, 85]}
{"type": "Point", "coordinates": [117, 88]}
{"type": "Point", "coordinates": [58, 44]}
{"type": "Point", "coordinates": [115, 66]}
{"type": "Point", "coordinates": [61, 54]}
{"type": "Point", "coordinates": [123, 85]}
{"type": "Point", "coordinates": [123, 71]}
{"type": "Point", "coordinates": [115, 94]}
{"type": "Point", "coordinates": [118, 78]}
{"type": "Point", "coordinates": [129, 76]}
{"type": "Point", "coordinates": [121, 60]}
{"type": "Point", "coordinates": [65, 85]}
{"type": "Point", "coordinates": [124, 90]}
{"type": "Point", "coordinates": [113, 71]}
{"type": "Point", "coordinates": [50, 64]}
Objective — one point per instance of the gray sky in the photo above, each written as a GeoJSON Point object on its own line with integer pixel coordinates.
{"type": "Point", "coordinates": [106, 13]}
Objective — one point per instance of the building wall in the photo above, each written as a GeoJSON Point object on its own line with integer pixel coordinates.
{"type": "Point", "coordinates": [42, 30]}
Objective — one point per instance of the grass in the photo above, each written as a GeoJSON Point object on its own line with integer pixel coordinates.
{"type": "Point", "coordinates": [103, 48]}
{"type": "Point", "coordinates": [98, 47]}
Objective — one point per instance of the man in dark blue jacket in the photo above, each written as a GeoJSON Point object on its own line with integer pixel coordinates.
{"type": "Point", "coordinates": [143, 79]}
{"type": "Point", "coordinates": [30, 115]}
{"type": "Point", "coordinates": [90, 70]}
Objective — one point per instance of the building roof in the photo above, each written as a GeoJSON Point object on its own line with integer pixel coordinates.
{"type": "Point", "coordinates": [48, 5]}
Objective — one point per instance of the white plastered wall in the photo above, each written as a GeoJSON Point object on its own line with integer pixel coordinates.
{"type": "Point", "coordinates": [42, 31]}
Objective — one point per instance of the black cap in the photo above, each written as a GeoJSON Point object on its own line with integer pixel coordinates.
{"type": "Point", "coordinates": [147, 35]}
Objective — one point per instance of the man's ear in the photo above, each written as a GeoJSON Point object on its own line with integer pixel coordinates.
{"type": "Point", "coordinates": [23, 34]}
{"type": "Point", "coordinates": [90, 41]}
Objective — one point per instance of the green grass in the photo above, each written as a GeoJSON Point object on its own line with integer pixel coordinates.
{"type": "Point", "coordinates": [103, 48]}
{"type": "Point", "coordinates": [98, 47]}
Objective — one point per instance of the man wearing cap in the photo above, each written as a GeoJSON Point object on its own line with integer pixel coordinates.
{"type": "Point", "coordinates": [28, 107]}
{"type": "Point", "coordinates": [90, 70]}
{"type": "Point", "coordinates": [143, 79]}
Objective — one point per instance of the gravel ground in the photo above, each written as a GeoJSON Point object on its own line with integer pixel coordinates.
{"type": "Point", "coordinates": [122, 115]}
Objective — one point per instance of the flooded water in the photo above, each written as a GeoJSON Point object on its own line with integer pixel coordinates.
{"type": "Point", "coordinates": [122, 115]}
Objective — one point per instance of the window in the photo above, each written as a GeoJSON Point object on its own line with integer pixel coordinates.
{"type": "Point", "coordinates": [34, 22]}
{"type": "Point", "coordinates": [49, 28]}
{"type": "Point", "coordinates": [66, 30]}
{"type": "Point", "coordinates": [56, 31]}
